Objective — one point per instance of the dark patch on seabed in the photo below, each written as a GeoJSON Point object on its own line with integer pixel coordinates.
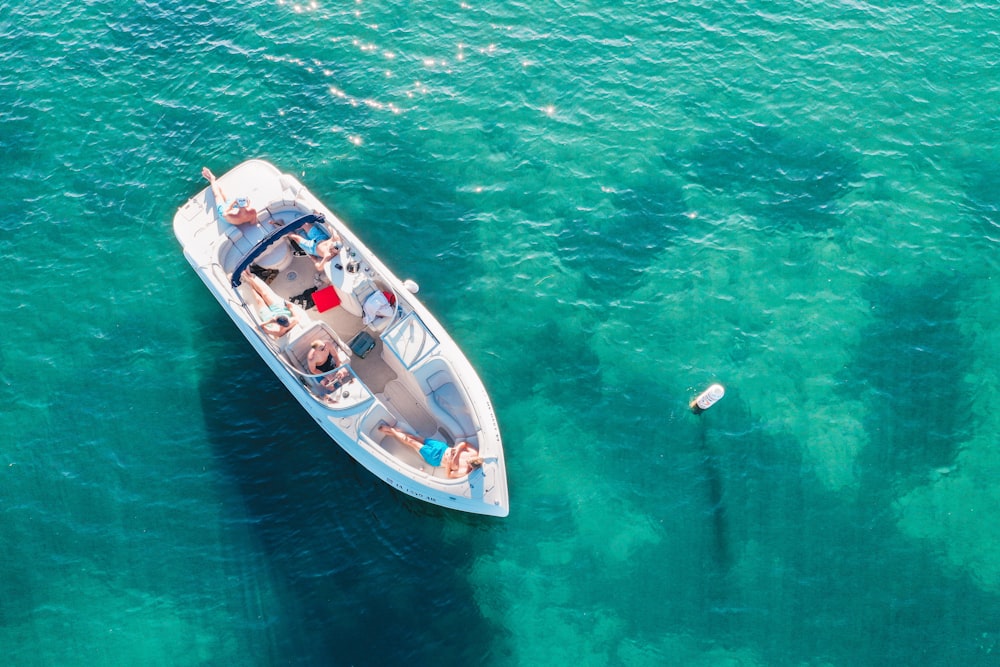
{"type": "Point", "coordinates": [783, 566]}
{"type": "Point", "coordinates": [774, 177]}
{"type": "Point", "coordinates": [361, 573]}
{"type": "Point", "coordinates": [432, 231]}
{"type": "Point", "coordinates": [613, 253]}
{"type": "Point", "coordinates": [19, 140]}
{"type": "Point", "coordinates": [716, 503]}
{"type": "Point", "coordinates": [571, 374]}
{"type": "Point", "coordinates": [912, 349]}
{"type": "Point", "coordinates": [982, 197]}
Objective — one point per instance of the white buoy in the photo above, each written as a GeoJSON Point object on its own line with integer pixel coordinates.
{"type": "Point", "coordinates": [411, 286]}
{"type": "Point", "coordinates": [707, 398]}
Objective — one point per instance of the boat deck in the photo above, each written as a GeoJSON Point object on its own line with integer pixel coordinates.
{"type": "Point", "coordinates": [295, 283]}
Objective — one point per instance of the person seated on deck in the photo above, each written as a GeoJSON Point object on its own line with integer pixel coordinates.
{"type": "Point", "coordinates": [457, 461]}
{"type": "Point", "coordinates": [318, 243]}
{"type": "Point", "coordinates": [324, 356]}
{"type": "Point", "coordinates": [236, 211]}
{"type": "Point", "coordinates": [275, 313]}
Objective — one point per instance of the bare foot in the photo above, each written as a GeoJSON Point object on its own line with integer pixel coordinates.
{"type": "Point", "coordinates": [208, 174]}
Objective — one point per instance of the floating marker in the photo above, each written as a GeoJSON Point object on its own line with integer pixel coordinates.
{"type": "Point", "coordinates": [707, 398]}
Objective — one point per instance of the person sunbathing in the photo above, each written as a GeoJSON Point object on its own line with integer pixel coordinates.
{"type": "Point", "coordinates": [318, 243]}
{"type": "Point", "coordinates": [236, 211]}
{"type": "Point", "coordinates": [275, 313]}
{"type": "Point", "coordinates": [457, 461]}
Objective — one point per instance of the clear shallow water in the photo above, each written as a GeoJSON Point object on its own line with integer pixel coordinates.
{"type": "Point", "coordinates": [611, 206]}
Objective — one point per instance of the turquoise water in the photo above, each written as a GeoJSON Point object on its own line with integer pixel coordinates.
{"type": "Point", "coordinates": [611, 206]}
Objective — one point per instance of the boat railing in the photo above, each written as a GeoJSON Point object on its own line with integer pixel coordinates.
{"type": "Point", "coordinates": [324, 393]}
{"type": "Point", "coordinates": [220, 272]}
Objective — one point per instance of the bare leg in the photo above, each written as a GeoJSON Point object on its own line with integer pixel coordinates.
{"type": "Point", "coordinates": [263, 292]}
{"type": "Point", "coordinates": [412, 441]}
{"type": "Point", "coordinates": [259, 302]}
{"type": "Point", "coordinates": [220, 196]}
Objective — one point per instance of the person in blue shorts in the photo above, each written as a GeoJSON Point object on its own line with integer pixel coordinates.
{"type": "Point", "coordinates": [234, 211]}
{"type": "Point", "coordinates": [457, 461]}
{"type": "Point", "coordinates": [318, 243]}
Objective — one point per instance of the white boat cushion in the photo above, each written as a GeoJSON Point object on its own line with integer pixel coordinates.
{"type": "Point", "coordinates": [447, 397]}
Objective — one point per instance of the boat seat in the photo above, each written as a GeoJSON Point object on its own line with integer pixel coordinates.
{"type": "Point", "coordinates": [282, 212]}
{"type": "Point", "coordinates": [264, 218]}
{"type": "Point", "coordinates": [364, 289]}
{"type": "Point", "coordinates": [235, 236]}
{"type": "Point", "coordinates": [377, 311]}
{"type": "Point", "coordinates": [448, 405]}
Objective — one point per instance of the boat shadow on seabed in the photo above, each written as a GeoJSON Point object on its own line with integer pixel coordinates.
{"type": "Point", "coordinates": [713, 478]}
{"type": "Point", "coordinates": [338, 545]}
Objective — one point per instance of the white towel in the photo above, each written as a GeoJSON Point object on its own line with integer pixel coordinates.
{"type": "Point", "coordinates": [376, 306]}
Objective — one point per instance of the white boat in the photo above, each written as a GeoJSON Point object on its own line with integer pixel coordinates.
{"type": "Point", "coordinates": [413, 376]}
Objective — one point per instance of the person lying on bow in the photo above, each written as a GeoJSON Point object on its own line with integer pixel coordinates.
{"type": "Point", "coordinates": [457, 461]}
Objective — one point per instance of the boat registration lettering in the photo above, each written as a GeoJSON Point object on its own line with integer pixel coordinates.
{"type": "Point", "coordinates": [409, 491]}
